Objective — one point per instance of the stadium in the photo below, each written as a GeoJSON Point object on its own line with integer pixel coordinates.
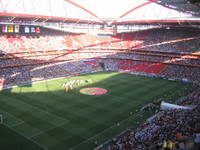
{"type": "Point", "coordinates": [97, 74]}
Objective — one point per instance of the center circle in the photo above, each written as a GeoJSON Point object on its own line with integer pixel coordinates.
{"type": "Point", "coordinates": [94, 91]}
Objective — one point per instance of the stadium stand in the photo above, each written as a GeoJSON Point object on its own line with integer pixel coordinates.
{"type": "Point", "coordinates": [19, 51]}
{"type": "Point", "coordinates": [27, 59]}
{"type": "Point", "coordinates": [155, 68]}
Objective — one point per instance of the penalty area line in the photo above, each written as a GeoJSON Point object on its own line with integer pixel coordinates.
{"type": "Point", "coordinates": [11, 115]}
{"type": "Point", "coordinates": [15, 125]}
{"type": "Point", "coordinates": [28, 138]}
{"type": "Point", "coordinates": [39, 133]}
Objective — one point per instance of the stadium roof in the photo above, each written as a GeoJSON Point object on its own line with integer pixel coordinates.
{"type": "Point", "coordinates": [100, 11]}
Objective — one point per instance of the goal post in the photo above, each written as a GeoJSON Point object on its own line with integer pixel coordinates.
{"type": "Point", "coordinates": [1, 118]}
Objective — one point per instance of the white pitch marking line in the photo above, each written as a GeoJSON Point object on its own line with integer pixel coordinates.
{"type": "Point", "coordinates": [43, 110]}
{"type": "Point", "coordinates": [13, 116]}
{"type": "Point", "coordinates": [28, 138]}
{"type": "Point", "coordinates": [18, 119]}
{"type": "Point", "coordinates": [14, 125]}
{"type": "Point", "coordinates": [41, 132]}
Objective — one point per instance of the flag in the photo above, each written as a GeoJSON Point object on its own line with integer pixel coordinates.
{"type": "Point", "coordinates": [37, 30]}
{"type": "Point", "coordinates": [10, 28]}
{"type": "Point", "coordinates": [32, 29]}
{"type": "Point", "coordinates": [26, 29]}
{"type": "Point", "coordinates": [4, 28]}
{"type": "Point", "coordinates": [16, 28]}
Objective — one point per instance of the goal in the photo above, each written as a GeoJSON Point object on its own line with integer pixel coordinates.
{"type": "Point", "coordinates": [1, 118]}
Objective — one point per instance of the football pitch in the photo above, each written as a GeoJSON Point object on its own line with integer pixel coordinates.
{"type": "Point", "coordinates": [44, 116]}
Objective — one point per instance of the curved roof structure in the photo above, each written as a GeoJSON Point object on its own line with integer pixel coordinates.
{"type": "Point", "coordinates": [102, 11]}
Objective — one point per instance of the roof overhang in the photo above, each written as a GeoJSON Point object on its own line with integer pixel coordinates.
{"type": "Point", "coordinates": [99, 11]}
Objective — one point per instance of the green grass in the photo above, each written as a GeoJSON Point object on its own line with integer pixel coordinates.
{"type": "Point", "coordinates": [43, 116]}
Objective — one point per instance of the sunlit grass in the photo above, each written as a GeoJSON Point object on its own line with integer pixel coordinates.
{"type": "Point", "coordinates": [56, 84]}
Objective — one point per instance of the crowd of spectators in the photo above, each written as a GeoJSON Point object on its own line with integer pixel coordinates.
{"type": "Point", "coordinates": [166, 71]}
{"type": "Point", "coordinates": [182, 72]}
{"type": "Point", "coordinates": [183, 40]}
{"type": "Point", "coordinates": [169, 130]}
{"type": "Point", "coordinates": [117, 63]}
{"type": "Point", "coordinates": [170, 40]}
{"type": "Point", "coordinates": [30, 73]}
{"type": "Point", "coordinates": [30, 44]}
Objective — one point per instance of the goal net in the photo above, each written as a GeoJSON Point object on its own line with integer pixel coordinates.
{"type": "Point", "coordinates": [1, 118]}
